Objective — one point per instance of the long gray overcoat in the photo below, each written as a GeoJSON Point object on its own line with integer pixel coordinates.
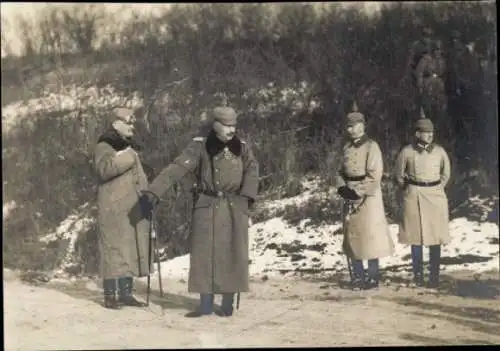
{"type": "Point", "coordinates": [425, 209]}
{"type": "Point", "coordinates": [366, 232]}
{"type": "Point", "coordinates": [219, 247]}
{"type": "Point", "coordinates": [124, 232]}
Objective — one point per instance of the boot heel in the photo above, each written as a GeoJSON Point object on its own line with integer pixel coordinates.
{"type": "Point", "coordinates": [111, 302]}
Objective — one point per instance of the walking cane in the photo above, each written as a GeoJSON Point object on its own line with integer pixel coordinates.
{"type": "Point", "coordinates": [152, 235]}
{"type": "Point", "coordinates": [153, 250]}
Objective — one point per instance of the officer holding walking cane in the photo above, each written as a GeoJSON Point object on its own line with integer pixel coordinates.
{"type": "Point", "coordinates": [227, 175]}
{"type": "Point", "coordinates": [366, 231]}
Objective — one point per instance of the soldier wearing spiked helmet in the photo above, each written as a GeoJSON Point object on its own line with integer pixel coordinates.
{"type": "Point", "coordinates": [366, 232]}
{"type": "Point", "coordinates": [422, 172]}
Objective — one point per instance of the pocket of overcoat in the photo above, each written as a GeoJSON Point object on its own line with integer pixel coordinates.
{"type": "Point", "coordinates": [241, 204]}
{"type": "Point", "coordinates": [203, 201]}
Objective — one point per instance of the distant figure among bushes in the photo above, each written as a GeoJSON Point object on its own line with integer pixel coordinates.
{"type": "Point", "coordinates": [430, 73]}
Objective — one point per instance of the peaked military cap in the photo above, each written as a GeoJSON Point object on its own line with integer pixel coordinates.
{"type": "Point", "coordinates": [355, 116]}
{"type": "Point", "coordinates": [224, 115]}
{"type": "Point", "coordinates": [123, 113]}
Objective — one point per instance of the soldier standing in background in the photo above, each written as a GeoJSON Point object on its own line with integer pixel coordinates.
{"type": "Point", "coordinates": [430, 73]}
{"type": "Point", "coordinates": [422, 172]}
{"type": "Point", "coordinates": [124, 227]}
{"type": "Point", "coordinates": [227, 177]}
{"type": "Point", "coordinates": [418, 49]}
{"type": "Point", "coordinates": [366, 231]}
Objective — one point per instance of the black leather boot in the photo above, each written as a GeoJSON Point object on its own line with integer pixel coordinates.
{"type": "Point", "coordinates": [373, 278]}
{"type": "Point", "coordinates": [109, 286]}
{"type": "Point", "coordinates": [434, 266]}
{"type": "Point", "coordinates": [111, 302]}
{"type": "Point", "coordinates": [205, 308]}
{"type": "Point", "coordinates": [125, 293]}
{"type": "Point", "coordinates": [226, 305]}
{"type": "Point", "coordinates": [358, 275]}
{"type": "Point", "coordinates": [130, 300]}
{"type": "Point", "coordinates": [417, 265]}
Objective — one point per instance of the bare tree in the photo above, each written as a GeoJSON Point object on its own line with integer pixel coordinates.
{"type": "Point", "coordinates": [50, 24]}
{"type": "Point", "coordinates": [80, 25]}
{"type": "Point", "coordinates": [30, 45]}
{"type": "Point", "coordinates": [6, 44]}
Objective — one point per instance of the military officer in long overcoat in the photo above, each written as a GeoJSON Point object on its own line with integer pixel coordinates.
{"type": "Point", "coordinates": [422, 171]}
{"type": "Point", "coordinates": [123, 226]}
{"type": "Point", "coordinates": [366, 231]}
{"type": "Point", "coordinates": [227, 174]}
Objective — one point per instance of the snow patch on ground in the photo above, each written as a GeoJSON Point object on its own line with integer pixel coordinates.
{"type": "Point", "coordinates": [72, 98]}
{"type": "Point", "coordinates": [278, 250]}
{"type": "Point", "coordinates": [70, 229]}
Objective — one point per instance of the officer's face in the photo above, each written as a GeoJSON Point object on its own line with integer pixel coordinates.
{"type": "Point", "coordinates": [425, 137]}
{"type": "Point", "coordinates": [356, 131]}
{"type": "Point", "coordinates": [125, 126]}
{"type": "Point", "coordinates": [224, 132]}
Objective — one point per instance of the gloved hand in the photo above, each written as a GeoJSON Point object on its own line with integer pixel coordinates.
{"type": "Point", "coordinates": [347, 193]}
{"type": "Point", "coordinates": [147, 202]}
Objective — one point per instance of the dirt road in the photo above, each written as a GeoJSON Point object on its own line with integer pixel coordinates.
{"type": "Point", "coordinates": [304, 313]}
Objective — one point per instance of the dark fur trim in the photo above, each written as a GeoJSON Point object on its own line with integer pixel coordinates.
{"type": "Point", "coordinates": [214, 145]}
{"type": "Point", "coordinates": [116, 141]}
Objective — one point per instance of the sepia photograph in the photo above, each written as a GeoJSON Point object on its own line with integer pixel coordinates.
{"type": "Point", "coordinates": [249, 175]}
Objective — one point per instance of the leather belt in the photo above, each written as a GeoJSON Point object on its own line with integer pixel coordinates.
{"type": "Point", "coordinates": [431, 75]}
{"type": "Point", "coordinates": [414, 182]}
{"type": "Point", "coordinates": [354, 179]}
{"type": "Point", "coordinates": [212, 193]}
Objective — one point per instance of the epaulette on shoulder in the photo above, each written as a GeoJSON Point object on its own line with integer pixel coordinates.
{"type": "Point", "coordinates": [200, 139]}
{"type": "Point", "coordinates": [243, 141]}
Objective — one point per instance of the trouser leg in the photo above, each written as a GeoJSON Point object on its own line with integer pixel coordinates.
{"type": "Point", "coordinates": [125, 286]}
{"type": "Point", "coordinates": [373, 273]}
{"type": "Point", "coordinates": [417, 262]}
{"type": "Point", "coordinates": [358, 273]}
{"type": "Point", "coordinates": [434, 264]}
{"type": "Point", "coordinates": [109, 287]}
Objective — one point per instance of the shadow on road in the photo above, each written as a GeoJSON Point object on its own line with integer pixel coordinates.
{"type": "Point", "coordinates": [79, 290]}
{"type": "Point", "coordinates": [432, 341]}
{"type": "Point", "coordinates": [477, 318]}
